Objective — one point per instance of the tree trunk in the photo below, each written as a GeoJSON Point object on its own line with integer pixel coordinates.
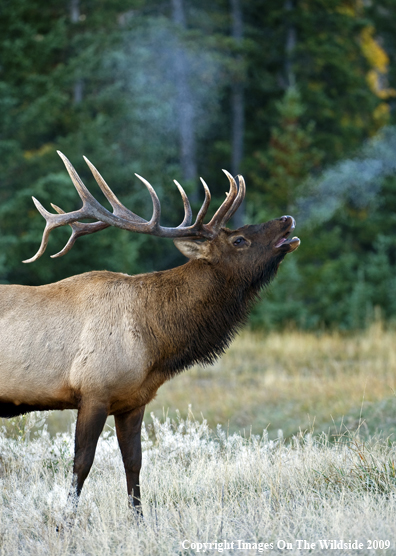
{"type": "Point", "coordinates": [185, 105]}
{"type": "Point", "coordinates": [291, 40]}
{"type": "Point", "coordinates": [78, 87]}
{"type": "Point", "coordinates": [237, 107]}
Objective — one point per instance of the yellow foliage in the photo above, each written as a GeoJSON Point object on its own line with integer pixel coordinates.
{"type": "Point", "coordinates": [377, 75]}
{"type": "Point", "coordinates": [346, 10]}
{"type": "Point", "coordinates": [375, 79]}
{"type": "Point", "coordinates": [372, 51]}
{"type": "Point", "coordinates": [43, 150]}
{"type": "Point", "coordinates": [381, 114]}
{"type": "Point", "coordinates": [356, 121]}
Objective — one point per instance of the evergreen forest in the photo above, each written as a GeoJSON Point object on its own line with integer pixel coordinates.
{"type": "Point", "coordinates": [299, 96]}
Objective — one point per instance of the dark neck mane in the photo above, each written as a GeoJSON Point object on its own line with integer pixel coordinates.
{"type": "Point", "coordinates": [198, 312]}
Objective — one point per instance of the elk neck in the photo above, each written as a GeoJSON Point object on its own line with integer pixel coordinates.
{"type": "Point", "coordinates": [196, 311]}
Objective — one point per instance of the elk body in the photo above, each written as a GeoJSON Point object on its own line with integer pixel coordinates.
{"type": "Point", "coordinates": [104, 342]}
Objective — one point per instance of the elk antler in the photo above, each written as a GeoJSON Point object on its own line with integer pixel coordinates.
{"type": "Point", "coordinates": [123, 218]}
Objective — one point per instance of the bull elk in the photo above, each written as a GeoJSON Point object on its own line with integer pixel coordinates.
{"type": "Point", "coordinates": [104, 342]}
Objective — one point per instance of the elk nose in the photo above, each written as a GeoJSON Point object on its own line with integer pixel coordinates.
{"type": "Point", "coordinates": [287, 217]}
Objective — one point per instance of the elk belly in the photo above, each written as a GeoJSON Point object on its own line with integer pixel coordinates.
{"type": "Point", "coordinates": [27, 379]}
{"type": "Point", "coordinates": [36, 349]}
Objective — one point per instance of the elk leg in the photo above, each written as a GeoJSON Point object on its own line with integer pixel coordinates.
{"type": "Point", "coordinates": [90, 422]}
{"type": "Point", "coordinates": [128, 427]}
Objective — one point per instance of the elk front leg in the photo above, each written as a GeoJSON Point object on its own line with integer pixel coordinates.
{"type": "Point", "coordinates": [90, 422]}
{"type": "Point", "coordinates": [128, 427]}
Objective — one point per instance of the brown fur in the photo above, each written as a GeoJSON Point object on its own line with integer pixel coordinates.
{"type": "Point", "coordinates": [103, 342]}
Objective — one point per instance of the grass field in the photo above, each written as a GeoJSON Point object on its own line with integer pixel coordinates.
{"type": "Point", "coordinates": [291, 381]}
{"type": "Point", "coordinates": [199, 487]}
{"type": "Point", "coordinates": [206, 484]}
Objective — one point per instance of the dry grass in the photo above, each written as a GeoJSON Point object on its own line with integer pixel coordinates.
{"type": "Point", "coordinates": [290, 381]}
{"type": "Point", "coordinates": [198, 487]}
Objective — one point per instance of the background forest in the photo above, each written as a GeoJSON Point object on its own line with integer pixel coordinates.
{"type": "Point", "coordinates": [297, 95]}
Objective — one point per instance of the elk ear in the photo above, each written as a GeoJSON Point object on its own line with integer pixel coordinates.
{"type": "Point", "coordinates": [193, 249]}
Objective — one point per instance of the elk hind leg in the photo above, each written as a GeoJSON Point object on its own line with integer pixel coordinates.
{"type": "Point", "coordinates": [128, 428]}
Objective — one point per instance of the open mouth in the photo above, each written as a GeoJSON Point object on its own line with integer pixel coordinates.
{"type": "Point", "coordinates": [288, 243]}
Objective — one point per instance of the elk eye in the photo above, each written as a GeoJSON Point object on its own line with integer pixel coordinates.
{"type": "Point", "coordinates": [239, 241]}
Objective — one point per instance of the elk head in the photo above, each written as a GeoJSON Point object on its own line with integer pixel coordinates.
{"type": "Point", "coordinates": [254, 251]}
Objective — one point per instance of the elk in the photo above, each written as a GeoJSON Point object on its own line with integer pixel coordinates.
{"type": "Point", "coordinates": [104, 342]}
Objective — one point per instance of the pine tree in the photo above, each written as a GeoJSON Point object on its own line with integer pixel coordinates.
{"type": "Point", "coordinates": [289, 159]}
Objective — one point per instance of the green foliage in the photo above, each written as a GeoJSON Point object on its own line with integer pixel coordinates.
{"type": "Point", "coordinates": [328, 66]}
{"type": "Point", "coordinates": [288, 159]}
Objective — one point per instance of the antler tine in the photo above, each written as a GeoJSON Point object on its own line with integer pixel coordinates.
{"type": "Point", "coordinates": [85, 195]}
{"type": "Point", "coordinates": [42, 248]}
{"type": "Point", "coordinates": [118, 208]}
{"type": "Point", "coordinates": [219, 219]}
{"type": "Point", "coordinates": [187, 207]}
{"type": "Point", "coordinates": [238, 200]}
{"type": "Point", "coordinates": [154, 222]}
{"type": "Point", "coordinates": [47, 229]}
{"type": "Point", "coordinates": [205, 205]}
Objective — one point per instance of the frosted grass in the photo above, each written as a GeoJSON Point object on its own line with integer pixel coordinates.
{"type": "Point", "coordinates": [199, 486]}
